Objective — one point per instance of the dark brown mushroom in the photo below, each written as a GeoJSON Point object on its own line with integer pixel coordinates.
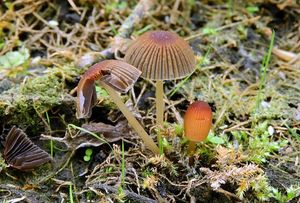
{"type": "Point", "coordinates": [161, 55]}
{"type": "Point", "coordinates": [21, 153]}
{"type": "Point", "coordinates": [112, 75]}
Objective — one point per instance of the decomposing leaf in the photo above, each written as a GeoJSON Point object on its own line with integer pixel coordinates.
{"type": "Point", "coordinates": [109, 133]}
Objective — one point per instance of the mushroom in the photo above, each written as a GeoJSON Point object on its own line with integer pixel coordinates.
{"type": "Point", "coordinates": [161, 55]}
{"type": "Point", "coordinates": [21, 153]}
{"type": "Point", "coordinates": [197, 123]}
{"type": "Point", "coordinates": [114, 76]}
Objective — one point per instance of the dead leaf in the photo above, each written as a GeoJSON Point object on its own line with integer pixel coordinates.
{"type": "Point", "coordinates": [108, 133]}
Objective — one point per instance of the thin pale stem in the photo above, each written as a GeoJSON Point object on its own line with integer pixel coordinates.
{"type": "Point", "coordinates": [131, 119]}
{"type": "Point", "coordinates": [191, 148]}
{"type": "Point", "coordinates": [191, 151]}
{"type": "Point", "coordinates": [159, 104]}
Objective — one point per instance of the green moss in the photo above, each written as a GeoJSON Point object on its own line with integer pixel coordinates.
{"type": "Point", "coordinates": [25, 103]}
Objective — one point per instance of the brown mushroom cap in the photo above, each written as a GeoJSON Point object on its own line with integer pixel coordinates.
{"type": "Point", "coordinates": [21, 153]}
{"type": "Point", "coordinates": [118, 74]}
{"type": "Point", "coordinates": [197, 121]}
{"type": "Point", "coordinates": [161, 55]}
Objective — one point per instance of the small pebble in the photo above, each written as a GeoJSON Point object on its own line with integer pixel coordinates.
{"type": "Point", "coordinates": [271, 130]}
{"type": "Point", "coordinates": [53, 23]}
{"type": "Point", "coordinates": [265, 104]}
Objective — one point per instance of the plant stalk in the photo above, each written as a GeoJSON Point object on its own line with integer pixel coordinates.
{"type": "Point", "coordinates": [131, 119]}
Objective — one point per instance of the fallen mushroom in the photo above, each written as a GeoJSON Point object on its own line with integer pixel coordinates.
{"type": "Point", "coordinates": [21, 153]}
{"type": "Point", "coordinates": [112, 75]}
{"type": "Point", "coordinates": [197, 123]}
{"type": "Point", "coordinates": [161, 55]}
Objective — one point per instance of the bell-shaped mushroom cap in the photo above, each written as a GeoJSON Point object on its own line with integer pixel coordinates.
{"type": "Point", "coordinates": [118, 74]}
{"type": "Point", "coordinates": [197, 121]}
{"type": "Point", "coordinates": [161, 55]}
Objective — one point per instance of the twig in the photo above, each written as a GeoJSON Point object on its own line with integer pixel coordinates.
{"type": "Point", "coordinates": [124, 32]}
{"type": "Point", "coordinates": [135, 17]}
{"type": "Point", "coordinates": [250, 20]}
{"type": "Point", "coordinates": [73, 5]}
{"type": "Point", "coordinates": [130, 195]}
{"type": "Point", "coordinates": [228, 194]}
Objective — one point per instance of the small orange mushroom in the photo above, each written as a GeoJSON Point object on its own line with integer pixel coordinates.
{"type": "Point", "coordinates": [197, 123]}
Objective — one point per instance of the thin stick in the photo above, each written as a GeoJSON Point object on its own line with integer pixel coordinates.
{"type": "Point", "coordinates": [131, 119]}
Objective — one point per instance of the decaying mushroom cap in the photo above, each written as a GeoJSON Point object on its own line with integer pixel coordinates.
{"type": "Point", "coordinates": [161, 55]}
{"type": "Point", "coordinates": [21, 153]}
{"type": "Point", "coordinates": [197, 121]}
{"type": "Point", "coordinates": [118, 74]}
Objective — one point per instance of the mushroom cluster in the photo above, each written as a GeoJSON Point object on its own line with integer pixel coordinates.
{"type": "Point", "coordinates": [114, 76]}
{"type": "Point", "coordinates": [155, 55]}
{"type": "Point", "coordinates": [161, 55]}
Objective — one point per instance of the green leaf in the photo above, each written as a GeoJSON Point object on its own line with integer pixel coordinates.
{"type": "Point", "coordinates": [252, 9]}
{"type": "Point", "coordinates": [14, 58]}
{"type": "Point", "coordinates": [86, 158]}
{"type": "Point", "coordinates": [178, 129]}
{"type": "Point", "coordinates": [88, 152]}
{"type": "Point", "coordinates": [215, 139]}
{"type": "Point", "coordinates": [101, 92]}
{"type": "Point", "coordinates": [209, 31]}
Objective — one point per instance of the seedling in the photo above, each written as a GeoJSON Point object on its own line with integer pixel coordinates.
{"type": "Point", "coordinates": [71, 193]}
{"type": "Point", "coordinates": [88, 153]}
{"type": "Point", "coordinates": [121, 193]}
{"type": "Point", "coordinates": [263, 74]}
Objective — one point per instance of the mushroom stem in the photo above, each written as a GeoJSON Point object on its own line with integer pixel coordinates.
{"type": "Point", "coordinates": [131, 119]}
{"type": "Point", "coordinates": [191, 151]}
{"type": "Point", "coordinates": [159, 105]}
{"type": "Point", "coordinates": [191, 148]}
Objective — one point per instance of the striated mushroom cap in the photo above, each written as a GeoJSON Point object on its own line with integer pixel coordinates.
{"type": "Point", "coordinates": [197, 121]}
{"type": "Point", "coordinates": [118, 74]}
{"type": "Point", "coordinates": [161, 55]}
{"type": "Point", "coordinates": [21, 153]}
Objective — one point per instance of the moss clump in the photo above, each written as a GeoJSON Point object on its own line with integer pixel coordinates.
{"type": "Point", "coordinates": [25, 104]}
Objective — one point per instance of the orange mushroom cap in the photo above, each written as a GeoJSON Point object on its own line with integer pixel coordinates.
{"type": "Point", "coordinates": [161, 55]}
{"type": "Point", "coordinates": [197, 121]}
